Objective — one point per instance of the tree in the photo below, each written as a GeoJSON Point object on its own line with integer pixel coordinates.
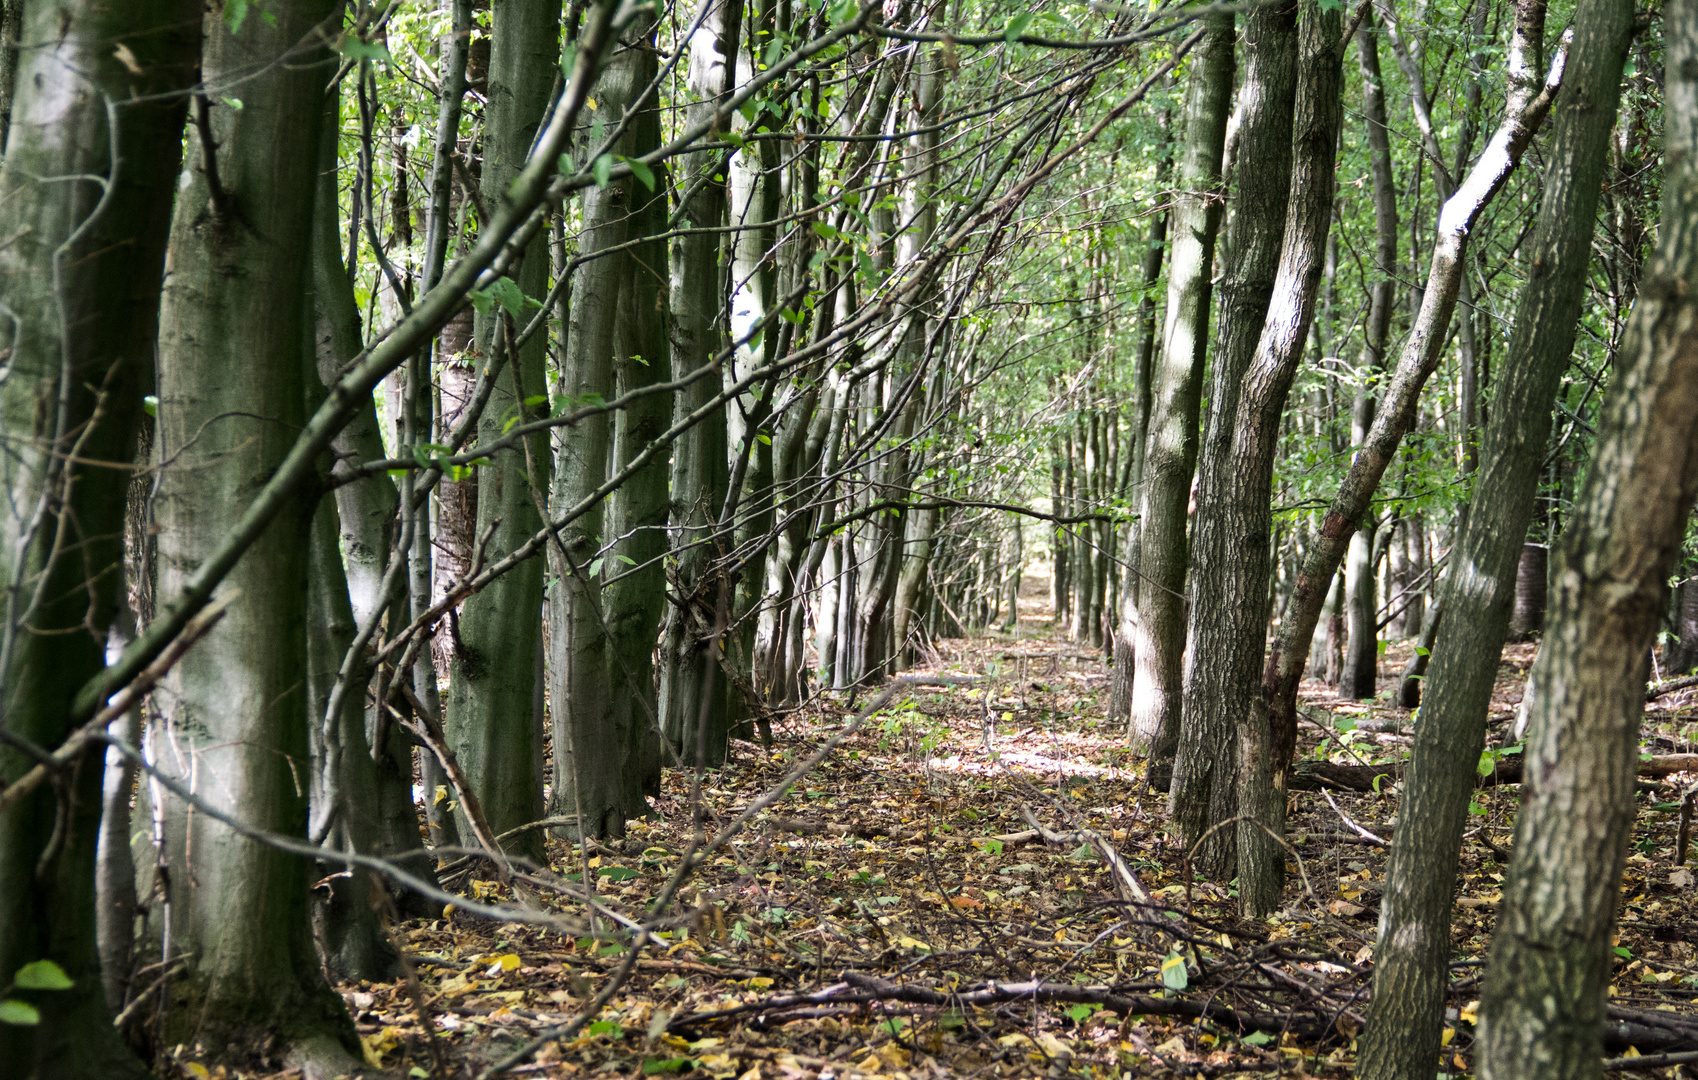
{"type": "Point", "coordinates": [1412, 952]}
{"type": "Point", "coordinates": [81, 286]}
{"type": "Point", "coordinates": [494, 722]}
{"type": "Point", "coordinates": [1524, 109]}
{"type": "Point", "coordinates": [1170, 451]}
{"type": "Point", "coordinates": [233, 321]}
{"type": "Point", "coordinates": [1542, 1005]}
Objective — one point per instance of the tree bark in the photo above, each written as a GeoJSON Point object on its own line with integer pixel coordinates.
{"type": "Point", "coordinates": [1225, 718]}
{"type": "Point", "coordinates": [80, 281]}
{"type": "Point", "coordinates": [694, 716]}
{"type": "Point", "coordinates": [1543, 1002]}
{"type": "Point", "coordinates": [233, 723]}
{"type": "Point", "coordinates": [492, 724]}
{"type": "Point", "coordinates": [1157, 632]}
{"type": "Point", "coordinates": [1402, 1038]}
{"type": "Point", "coordinates": [1523, 112]}
{"type": "Point", "coordinates": [1254, 238]}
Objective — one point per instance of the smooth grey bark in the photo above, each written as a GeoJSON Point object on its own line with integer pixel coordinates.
{"type": "Point", "coordinates": [1525, 108]}
{"type": "Point", "coordinates": [597, 727]}
{"type": "Point", "coordinates": [1225, 717]}
{"type": "Point", "coordinates": [1402, 1039]}
{"type": "Point", "coordinates": [1543, 1003]}
{"type": "Point", "coordinates": [1157, 633]}
{"type": "Point", "coordinates": [916, 538]}
{"type": "Point", "coordinates": [1124, 655]}
{"type": "Point", "coordinates": [347, 924]}
{"type": "Point", "coordinates": [1254, 236]}
{"type": "Point", "coordinates": [233, 723]}
{"type": "Point", "coordinates": [1361, 649]}
{"type": "Point", "coordinates": [492, 725]}
{"type": "Point", "coordinates": [346, 795]}
{"type": "Point", "coordinates": [79, 284]}
{"type": "Point", "coordinates": [364, 513]}
{"type": "Point", "coordinates": [637, 512]}
{"type": "Point", "coordinates": [693, 715]}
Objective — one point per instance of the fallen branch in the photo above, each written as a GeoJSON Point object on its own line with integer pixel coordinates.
{"type": "Point", "coordinates": [1670, 687]}
{"type": "Point", "coordinates": [1319, 775]}
{"type": "Point", "coordinates": [860, 989]}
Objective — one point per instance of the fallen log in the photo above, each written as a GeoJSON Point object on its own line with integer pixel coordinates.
{"type": "Point", "coordinates": [1320, 775]}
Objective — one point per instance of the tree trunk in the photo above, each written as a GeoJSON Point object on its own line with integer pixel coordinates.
{"type": "Point", "coordinates": [1224, 715]}
{"type": "Point", "coordinates": [73, 384]}
{"type": "Point", "coordinates": [1681, 655]}
{"type": "Point", "coordinates": [1402, 1038]}
{"type": "Point", "coordinates": [1543, 1002]}
{"type": "Point", "coordinates": [1525, 108]}
{"type": "Point", "coordinates": [234, 723]}
{"type": "Point", "coordinates": [1157, 634]}
{"type": "Point", "coordinates": [492, 725]}
{"type": "Point", "coordinates": [1528, 615]}
{"type": "Point", "coordinates": [1254, 237]}
{"type": "Point", "coordinates": [595, 720]}
{"type": "Point", "coordinates": [692, 715]}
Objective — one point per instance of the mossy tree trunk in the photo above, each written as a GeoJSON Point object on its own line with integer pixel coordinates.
{"type": "Point", "coordinates": [492, 723]}
{"type": "Point", "coordinates": [233, 724]}
{"type": "Point", "coordinates": [80, 284]}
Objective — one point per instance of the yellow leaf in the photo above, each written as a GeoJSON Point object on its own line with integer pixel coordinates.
{"type": "Point", "coordinates": [127, 58]}
{"type": "Point", "coordinates": [1449, 1034]}
{"type": "Point", "coordinates": [509, 962]}
{"type": "Point", "coordinates": [1470, 1012]}
{"type": "Point", "coordinates": [197, 1070]}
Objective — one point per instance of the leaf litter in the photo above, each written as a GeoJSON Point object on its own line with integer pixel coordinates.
{"type": "Point", "coordinates": [978, 882]}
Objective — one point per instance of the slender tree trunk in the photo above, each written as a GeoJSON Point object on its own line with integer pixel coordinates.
{"type": "Point", "coordinates": [1254, 237]}
{"type": "Point", "coordinates": [492, 724]}
{"type": "Point", "coordinates": [1402, 1039]}
{"type": "Point", "coordinates": [1233, 555]}
{"type": "Point", "coordinates": [1543, 1003]}
{"type": "Point", "coordinates": [1143, 370]}
{"type": "Point", "coordinates": [594, 737]}
{"type": "Point", "coordinates": [1680, 655]}
{"type": "Point", "coordinates": [1157, 633]}
{"type": "Point", "coordinates": [693, 717]}
{"type": "Point", "coordinates": [234, 723]}
{"type": "Point", "coordinates": [1524, 110]}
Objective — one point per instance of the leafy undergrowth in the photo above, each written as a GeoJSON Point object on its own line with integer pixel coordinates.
{"type": "Point", "coordinates": [933, 900]}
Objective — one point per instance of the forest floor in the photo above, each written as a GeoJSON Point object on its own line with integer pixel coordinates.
{"type": "Point", "coordinates": [901, 914]}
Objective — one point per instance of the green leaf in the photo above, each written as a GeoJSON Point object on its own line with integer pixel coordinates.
{"type": "Point", "coordinates": [606, 1027]}
{"type": "Point", "coordinates": [1624, 952]}
{"type": "Point", "coordinates": [1257, 1038]}
{"type": "Point", "coordinates": [618, 873]}
{"type": "Point", "coordinates": [1017, 26]}
{"type": "Point", "coordinates": [150, 405]}
{"type": "Point", "coordinates": [235, 14]}
{"type": "Point", "coordinates": [42, 975]}
{"type": "Point", "coordinates": [21, 1013]}
{"type": "Point", "coordinates": [355, 49]}
{"type": "Point", "coordinates": [642, 172]}
{"type": "Point", "coordinates": [603, 169]}
{"type": "Point", "coordinates": [1173, 973]}
{"type": "Point", "coordinates": [652, 1066]}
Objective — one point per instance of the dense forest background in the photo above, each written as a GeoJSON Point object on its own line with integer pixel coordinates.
{"type": "Point", "coordinates": [440, 435]}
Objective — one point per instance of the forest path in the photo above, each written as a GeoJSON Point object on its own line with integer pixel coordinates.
{"type": "Point", "coordinates": [830, 937]}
